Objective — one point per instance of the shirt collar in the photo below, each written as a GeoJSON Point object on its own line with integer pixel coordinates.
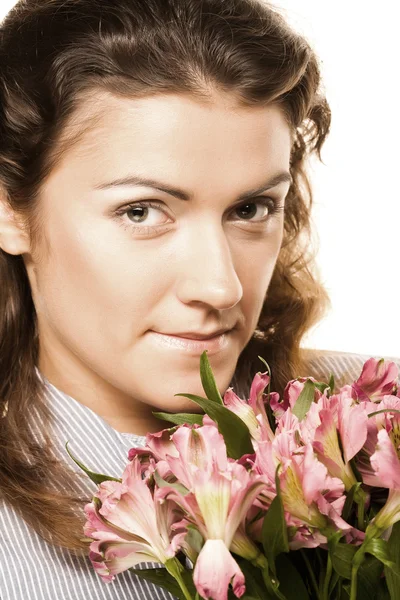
{"type": "Point", "coordinates": [91, 439]}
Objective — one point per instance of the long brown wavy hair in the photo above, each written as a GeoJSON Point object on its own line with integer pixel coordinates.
{"type": "Point", "coordinates": [53, 53]}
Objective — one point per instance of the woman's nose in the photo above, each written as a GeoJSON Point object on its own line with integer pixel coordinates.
{"type": "Point", "coordinates": [208, 272]}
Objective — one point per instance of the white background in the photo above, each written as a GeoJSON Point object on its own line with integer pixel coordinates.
{"type": "Point", "coordinates": [357, 199]}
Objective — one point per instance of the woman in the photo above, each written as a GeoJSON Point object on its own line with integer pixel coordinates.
{"type": "Point", "coordinates": [153, 190]}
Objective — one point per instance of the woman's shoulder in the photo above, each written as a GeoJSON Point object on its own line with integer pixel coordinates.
{"type": "Point", "coordinates": [345, 366]}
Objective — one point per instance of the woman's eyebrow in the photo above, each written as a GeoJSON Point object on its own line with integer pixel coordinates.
{"type": "Point", "coordinates": [136, 180]}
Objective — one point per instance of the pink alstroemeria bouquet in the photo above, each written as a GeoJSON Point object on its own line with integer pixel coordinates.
{"type": "Point", "coordinates": [293, 498]}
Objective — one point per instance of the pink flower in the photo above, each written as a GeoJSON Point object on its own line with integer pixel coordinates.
{"type": "Point", "coordinates": [194, 449]}
{"type": "Point", "coordinates": [253, 412]}
{"type": "Point", "coordinates": [378, 379]}
{"type": "Point", "coordinates": [243, 410]}
{"type": "Point", "coordinates": [291, 394]}
{"type": "Point", "coordinates": [309, 494]}
{"type": "Point", "coordinates": [128, 524]}
{"type": "Point", "coordinates": [379, 462]}
{"type": "Point", "coordinates": [336, 427]}
{"type": "Point", "coordinates": [306, 537]}
{"type": "Point", "coordinates": [221, 492]}
{"type": "Point", "coordinates": [348, 421]}
{"type": "Point", "coordinates": [352, 425]}
{"type": "Point", "coordinates": [161, 444]}
{"type": "Point", "coordinates": [385, 460]}
{"type": "Point", "coordinates": [257, 402]}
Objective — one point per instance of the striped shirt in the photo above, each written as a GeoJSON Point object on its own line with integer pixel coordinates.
{"type": "Point", "coordinates": [32, 569]}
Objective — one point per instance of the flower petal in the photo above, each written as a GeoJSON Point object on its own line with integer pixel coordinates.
{"type": "Point", "coordinates": [161, 444]}
{"type": "Point", "coordinates": [377, 379]}
{"type": "Point", "coordinates": [385, 463]}
{"type": "Point", "coordinates": [214, 570]}
{"type": "Point", "coordinates": [259, 383]}
{"type": "Point", "coordinates": [352, 421]}
{"type": "Point", "coordinates": [242, 409]}
{"type": "Point", "coordinates": [109, 559]}
{"type": "Point", "coordinates": [129, 514]}
{"type": "Point", "coordinates": [197, 448]}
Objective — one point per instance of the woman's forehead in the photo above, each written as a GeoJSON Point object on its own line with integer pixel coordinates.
{"type": "Point", "coordinates": [175, 127]}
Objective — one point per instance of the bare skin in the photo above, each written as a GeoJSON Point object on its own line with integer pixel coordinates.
{"type": "Point", "coordinates": [109, 281]}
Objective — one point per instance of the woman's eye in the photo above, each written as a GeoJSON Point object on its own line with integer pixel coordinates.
{"type": "Point", "coordinates": [144, 212]}
{"type": "Point", "coordinates": [147, 217]}
{"type": "Point", "coordinates": [141, 217]}
{"type": "Point", "coordinates": [267, 208]}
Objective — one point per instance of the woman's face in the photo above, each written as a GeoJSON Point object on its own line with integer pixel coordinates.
{"type": "Point", "coordinates": [117, 278]}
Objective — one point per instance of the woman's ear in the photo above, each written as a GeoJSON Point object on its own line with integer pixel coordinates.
{"type": "Point", "coordinates": [13, 238]}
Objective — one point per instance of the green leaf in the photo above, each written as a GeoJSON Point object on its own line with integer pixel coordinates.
{"type": "Point", "coordinates": [291, 583]}
{"type": "Point", "coordinates": [304, 400]}
{"type": "Point", "coordinates": [333, 540]}
{"type": "Point", "coordinates": [383, 592]}
{"type": "Point", "coordinates": [332, 382]}
{"type": "Point", "coordinates": [194, 539]}
{"type": "Point", "coordinates": [368, 578]}
{"type": "Point", "coordinates": [373, 511]}
{"type": "Point", "coordinates": [334, 583]}
{"type": "Point", "coordinates": [321, 386]}
{"type": "Point", "coordinates": [346, 591]}
{"type": "Point", "coordinates": [392, 578]}
{"type": "Point", "coordinates": [274, 528]}
{"type": "Point", "coordinates": [255, 587]}
{"type": "Point", "coordinates": [234, 431]}
{"type": "Point", "coordinates": [96, 477]}
{"type": "Point", "coordinates": [187, 576]}
{"type": "Point", "coordinates": [208, 380]}
{"type": "Point", "coordinates": [354, 468]}
{"type": "Point", "coordinates": [180, 418]}
{"type": "Point", "coordinates": [349, 500]}
{"type": "Point", "coordinates": [342, 556]}
{"type": "Point", "coordinates": [380, 549]}
{"type": "Point", "coordinates": [161, 577]}
{"type": "Point", "coordinates": [163, 483]}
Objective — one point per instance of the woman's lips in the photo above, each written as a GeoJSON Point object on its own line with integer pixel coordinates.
{"type": "Point", "coordinates": [175, 342]}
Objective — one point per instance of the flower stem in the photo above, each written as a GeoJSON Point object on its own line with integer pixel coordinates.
{"type": "Point", "coordinates": [175, 569]}
{"type": "Point", "coordinates": [353, 588]}
{"type": "Point", "coordinates": [328, 575]}
{"type": "Point", "coordinates": [357, 560]}
{"type": "Point", "coordinates": [183, 587]}
{"type": "Point", "coordinates": [268, 584]}
{"type": "Point", "coordinates": [311, 573]}
{"type": "Point", "coordinates": [360, 516]}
